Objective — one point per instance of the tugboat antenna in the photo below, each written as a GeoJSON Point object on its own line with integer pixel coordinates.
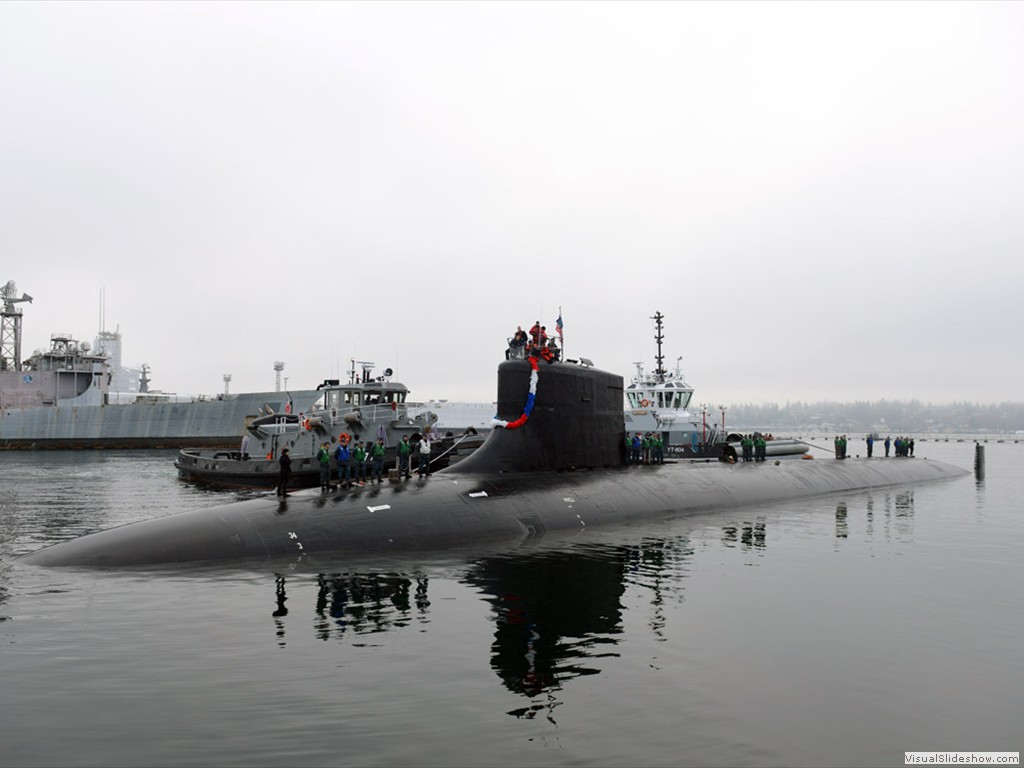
{"type": "Point", "coordinates": [659, 371]}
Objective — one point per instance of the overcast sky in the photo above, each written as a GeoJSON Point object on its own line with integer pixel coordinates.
{"type": "Point", "coordinates": [825, 200]}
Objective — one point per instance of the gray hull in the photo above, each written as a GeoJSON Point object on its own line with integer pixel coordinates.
{"type": "Point", "coordinates": [217, 422]}
{"type": "Point", "coordinates": [452, 509]}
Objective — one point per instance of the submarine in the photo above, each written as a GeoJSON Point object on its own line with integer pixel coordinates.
{"type": "Point", "coordinates": [555, 461]}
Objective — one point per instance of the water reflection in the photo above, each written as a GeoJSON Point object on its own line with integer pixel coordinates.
{"type": "Point", "coordinates": [842, 529]}
{"type": "Point", "coordinates": [659, 566]}
{"type": "Point", "coordinates": [896, 516]}
{"type": "Point", "coordinates": [556, 612]}
{"type": "Point", "coordinates": [282, 610]}
{"type": "Point", "coordinates": [899, 514]}
{"type": "Point", "coordinates": [366, 603]}
{"type": "Point", "coordinates": [750, 536]}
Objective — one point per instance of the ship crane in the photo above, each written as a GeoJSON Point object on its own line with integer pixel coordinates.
{"type": "Point", "coordinates": [10, 327]}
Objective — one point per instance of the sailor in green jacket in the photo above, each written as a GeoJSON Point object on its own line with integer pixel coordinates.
{"type": "Point", "coordinates": [655, 444]}
{"type": "Point", "coordinates": [377, 454]}
{"type": "Point", "coordinates": [324, 457]}
{"type": "Point", "coordinates": [359, 455]}
{"type": "Point", "coordinates": [404, 451]}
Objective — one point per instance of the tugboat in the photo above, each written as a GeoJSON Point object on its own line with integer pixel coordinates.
{"type": "Point", "coordinates": [361, 411]}
{"type": "Point", "coordinates": [657, 402]}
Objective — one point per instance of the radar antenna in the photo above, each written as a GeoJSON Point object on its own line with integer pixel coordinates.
{"type": "Point", "coordinates": [659, 371]}
{"type": "Point", "coordinates": [366, 365]}
{"type": "Point", "coordinates": [10, 327]}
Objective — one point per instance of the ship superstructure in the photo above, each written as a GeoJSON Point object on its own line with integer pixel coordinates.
{"type": "Point", "coordinates": [77, 395]}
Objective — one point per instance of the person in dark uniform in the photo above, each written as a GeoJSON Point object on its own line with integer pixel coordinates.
{"type": "Point", "coordinates": [286, 473]}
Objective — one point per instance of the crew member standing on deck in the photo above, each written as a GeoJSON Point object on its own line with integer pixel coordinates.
{"type": "Point", "coordinates": [637, 447]}
{"type": "Point", "coordinates": [286, 472]}
{"type": "Point", "coordinates": [359, 457]}
{"type": "Point", "coordinates": [535, 334]}
{"type": "Point", "coordinates": [377, 454]}
{"type": "Point", "coordinates": [517, 347]}
{"type": "Point", "coordinates": [404, 451]}
{"type": "Point", "coordinates": [424, 465]}
{"type": "Point", "coordinates": [344, 456]}
{"type": "Point", "coordinates": [553, 348]}
{"type": "Point", "coordinates": [324, 457]}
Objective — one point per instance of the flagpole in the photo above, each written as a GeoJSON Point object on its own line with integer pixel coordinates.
{"type": "Point", "coordinates": [561, 334]}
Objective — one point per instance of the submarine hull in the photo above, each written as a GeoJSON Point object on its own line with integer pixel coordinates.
{"type": "Point", "coordinates": [453, 509]}
{"type": "Point", "coordinates": [558, 465]}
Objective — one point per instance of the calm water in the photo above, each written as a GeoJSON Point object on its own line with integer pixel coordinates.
{"type": "Point", "coordinates": [841, 630]}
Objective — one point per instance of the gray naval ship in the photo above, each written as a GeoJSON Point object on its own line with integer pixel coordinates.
{"type": "Point", "coordinates": [77, 395]}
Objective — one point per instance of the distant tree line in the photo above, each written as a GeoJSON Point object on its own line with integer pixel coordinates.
{"type": "Point", "coordinates": [883, 416]}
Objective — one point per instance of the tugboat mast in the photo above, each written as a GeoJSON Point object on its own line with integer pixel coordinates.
{"type": "Point", "coordinates": [659, 371]}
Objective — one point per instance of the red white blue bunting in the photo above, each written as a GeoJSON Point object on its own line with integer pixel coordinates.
{"type": "Point", "coordinates": [528, 408]}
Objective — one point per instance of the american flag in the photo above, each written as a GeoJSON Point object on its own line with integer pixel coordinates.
{"type": "Point", "coordinates": [558, 323]}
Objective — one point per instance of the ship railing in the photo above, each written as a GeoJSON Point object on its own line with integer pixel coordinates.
{"type": "Point", "coordinates": [516, 351]}
{"type": "Point", "coordinates": [366, 415]}
{"type": "Point", "coordinates": [519, 351]}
